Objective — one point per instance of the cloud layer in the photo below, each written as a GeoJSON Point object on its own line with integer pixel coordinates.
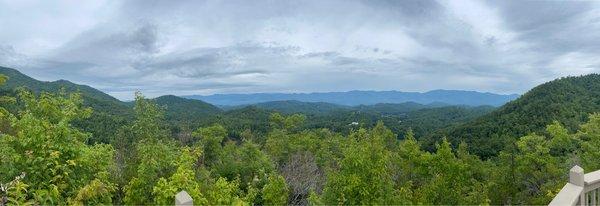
{"type": "Point", "coordinates": [206, 47]}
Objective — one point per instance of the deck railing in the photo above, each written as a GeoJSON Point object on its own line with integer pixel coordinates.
{"type": "Point", "coordinates": [582, 189]}
{"type": "Point", "coordinates": [183, 198]}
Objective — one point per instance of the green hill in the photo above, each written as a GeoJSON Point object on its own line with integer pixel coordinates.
{"type": "Point", "coordinates": [568, 100]}
{"type": "Point", "coordinates": [94, 98]}
{"type": "Point", "coordinates": [324, 108]}
{"type": "Point", "coordinates": [181, 109]}
{"type": "Point", "coordinates": [109, 113]}
{"type": "Point", "coordinates": [293, 106]}
{"type": "Point", "coordinates": [395, 108]}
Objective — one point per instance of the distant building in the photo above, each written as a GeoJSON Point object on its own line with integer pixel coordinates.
{"type": "Point", "coordinates": [353, 124]}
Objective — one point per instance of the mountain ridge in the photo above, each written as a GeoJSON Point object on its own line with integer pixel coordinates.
{"type": "Point", "coordinates": [358, 97]}
{"type": "Point", "coordinates": [568, 100]}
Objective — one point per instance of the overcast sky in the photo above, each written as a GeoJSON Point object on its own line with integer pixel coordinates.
{"type": "Point", "coordinates": [207, 47]}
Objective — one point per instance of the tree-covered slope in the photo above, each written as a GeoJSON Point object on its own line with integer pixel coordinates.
{"type": "Point", "coordinates": [324, 108]}
{"type": "Point", "coordinates": [394, 108]}
{"type": "Point", "coordinates": [293, 106]}
{"type": "Point", "coordinates": [109, 113]}
{"type": "Point", "coordinates": [182, 109]}
{"type": "Point", "coordinates": [568, 100]}
{"type": "Point", "coordinates": [91, 96]}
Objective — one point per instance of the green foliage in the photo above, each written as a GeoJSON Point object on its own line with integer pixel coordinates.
{"type": "Point", "coordinates": [453, 181]}
{"type": "Point", "coordinates": [567, 100]}
{"type": "Point", "coordinates": [286, 123]}
{"type": "Point", "coordinates": [224, 192]}
{"type": "Point", "coordinates": [181, 110]}
{"type": "Point", "coordinates": [363, 176]}
{"type": "Point", "coordinates": [297, 107]}
{"type": "Point", "coordinates": [275, 192]}
{"type": "Point", "coordinates": [53, 155]}
{"type": "Point", "coordinates": [15, 192]}
{"type": "Point", "coordinates": [184, 178]}
{"type": "Point", "coordinates": [149, 119]}
{"type": "Point", "coordinates": [155, 161]}
{"type": "Point", "coordinates": [3, 79]}
{"type": "Point", "coordinates": [590, 136]}
{"type": "Point", "coordinates": [95, 193]}
{"type": "Point", "coordinates": [246, 162]}
{"type": "Point", "coordinates": [211, 139]}
{"type": "Point", "coordinates": [528, 172]}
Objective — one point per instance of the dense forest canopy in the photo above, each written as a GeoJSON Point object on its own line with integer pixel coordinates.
{"type": "Point", "coordinates": [65, 145]}
{"type": "Point", "coordinates": [567, 100]}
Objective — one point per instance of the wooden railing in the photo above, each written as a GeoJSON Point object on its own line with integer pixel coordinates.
{"type": "Point", "coordinates": [582, 189]}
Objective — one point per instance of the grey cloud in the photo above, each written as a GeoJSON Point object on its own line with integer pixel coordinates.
{"type": "Point", "coordinates": [221, 62]}
{"type": "Point", "coordinates": [408, 10]}
{"type": "Point", "coordinates": [553, 26]}
{"type": "Point", "coordinates": [320, 55]}
{"type": "Point", "coordinates": [539, 15]}
{"type": "Point", "coordinates": [106, 46]}
{"type": "Point", "coordinates": [211, 46]}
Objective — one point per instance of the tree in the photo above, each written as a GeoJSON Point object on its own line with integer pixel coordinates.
{"type": "Point", "coordinates": [561, 143]}
{"type": "Point", "coordinates": [246, 162]}
{"type": "Point", "coordinates": [149, 120]}
{"type": "Point", "coordinates": [275, 192]}
{"type": "Point", "coordinates": [390, 139]}
{"type": "Point", "coordinates": [225, 193]}
{"type": "Point", "coordinates": [4, 99]}
{"type": "Point", "coordinates": [409, 161]}
{"type": "Point", "coordinates": [363, 176]}
{"type": "Point", "coordinates": [211, 139]}
{"type": "Point", "coordinates": [287, 123]}
{"type": "Point", "coordinates": [302, 175]}
{"type": "Point", "coordinates": [589, 133]}
{"type": "Point", "coordinates": [155, 159]}
{"type": "Point", "coordinates": [58, 165]}
{"type": "Point", "coordinates": [153, 156]}
{"type": "Point", "coordinates": [184, 178]}
{"type": "Point", "coordinates": [451, 180]}
{"type": "Point", "coordinates": [532, 172]}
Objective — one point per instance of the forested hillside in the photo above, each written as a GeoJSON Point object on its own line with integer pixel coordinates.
{"type": "Point", "coordinates": [100, 101]}
{"type": "Point", "coordinates": [293, 106]}
{"type": "Point", "coordinates": [181, 110]}
{"type": "Point", "coordinates": [567, 100]}
{"type": "Point", "coordinates": [372, 154]}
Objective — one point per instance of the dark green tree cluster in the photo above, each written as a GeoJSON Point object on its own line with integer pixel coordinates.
{"type": "Point", "coordinates": [568, 100]}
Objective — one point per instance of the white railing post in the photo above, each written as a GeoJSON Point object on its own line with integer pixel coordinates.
{"type": "Point", "coordinates": [576, 177]}
{"type": "Point", "coordinates": [183, 198]}
{"type": "Point", "coordinates": [574, 192]}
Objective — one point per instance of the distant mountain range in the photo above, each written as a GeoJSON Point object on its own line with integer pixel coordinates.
{"type": "Point", "coordinates": [355, 98]}
{"type": "Point", "coordinates": [323, 108]}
